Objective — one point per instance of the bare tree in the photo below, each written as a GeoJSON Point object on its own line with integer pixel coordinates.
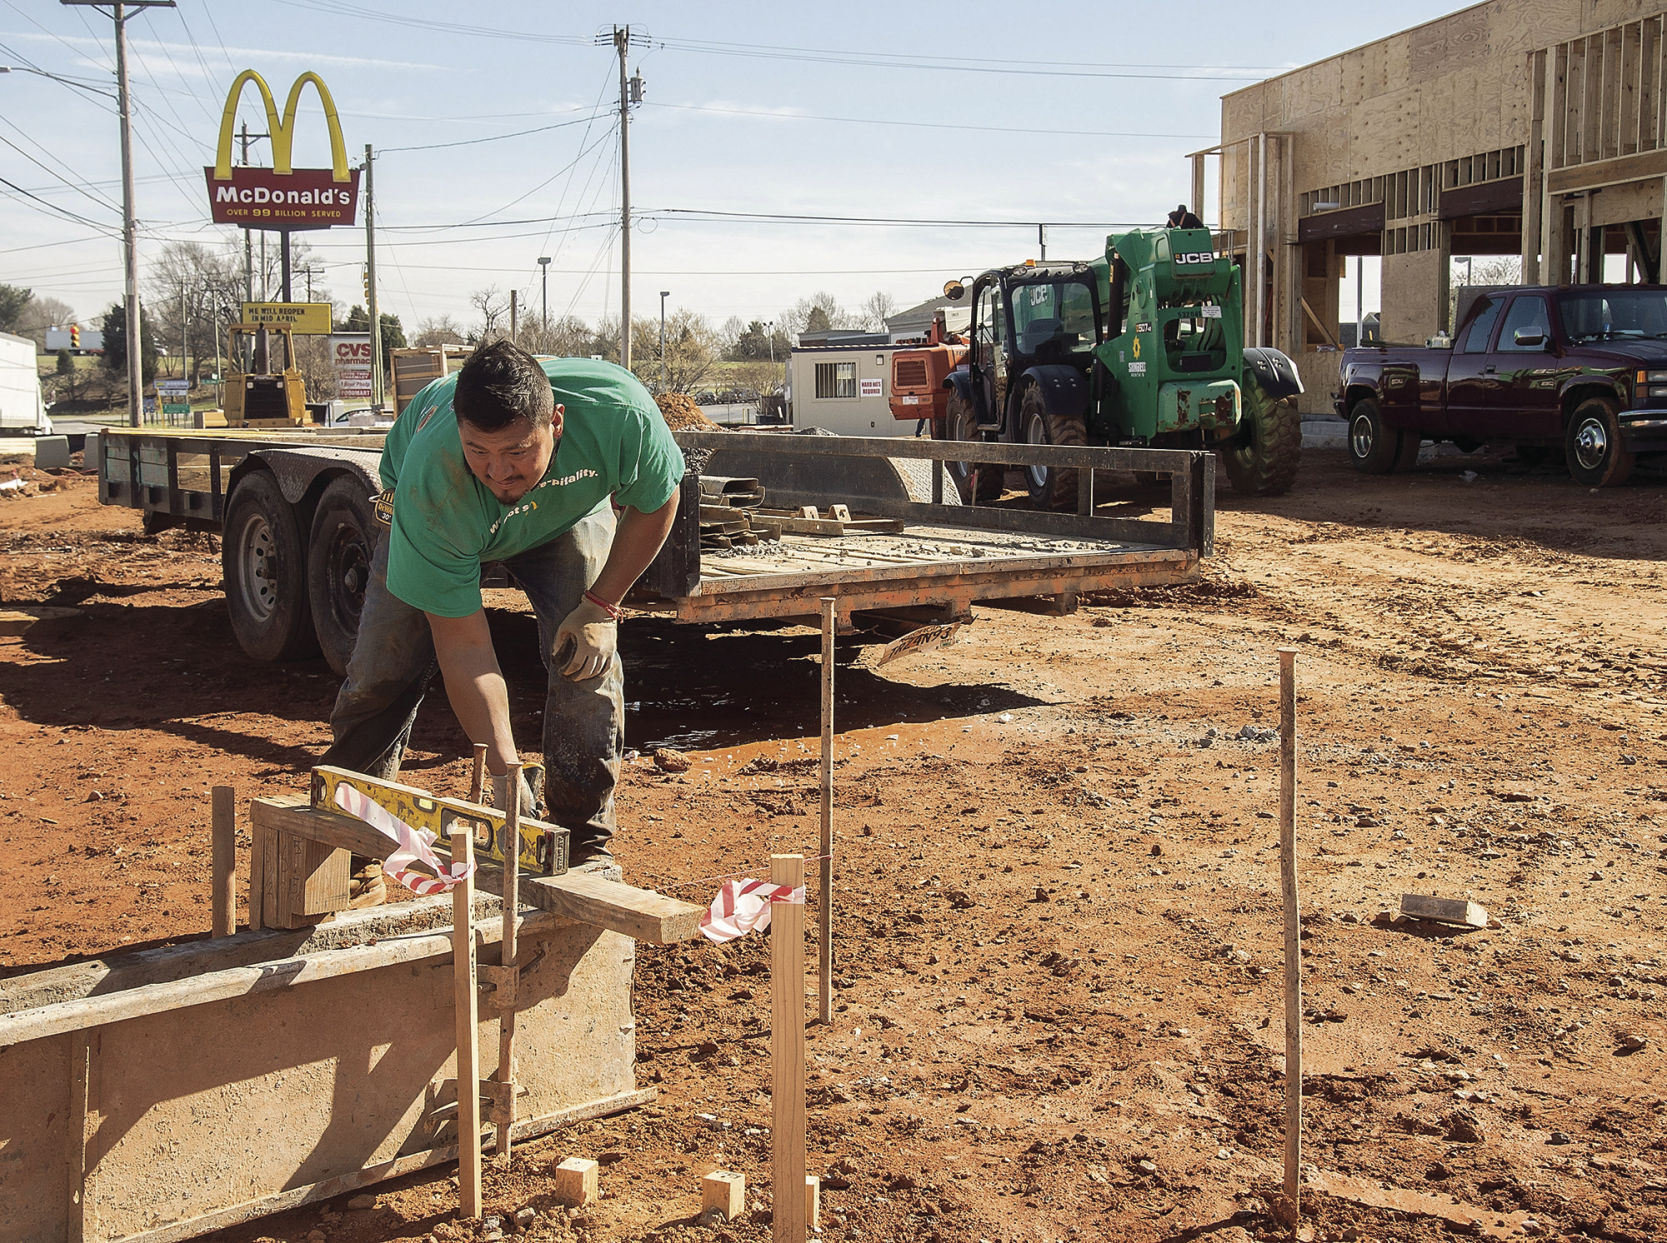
{"type": "Point", "coordinates": [692, 346]}
{"type": "Point", "coordinates": [818, 312]}
{"type": "Point", "coordinates": [439, 330]}
{"type": "Point", "coordinates": [492, 307]}
{"type": "Point", "coordinates": [880, 304]}
{"type": "Point", "coordinates": [194, 292]}
{"type": "Point", "coordinates": [39, 314]}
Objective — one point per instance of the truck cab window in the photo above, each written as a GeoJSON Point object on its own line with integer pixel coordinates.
{"type": "Point", "coordinates": [1481, 326]}
{"type": "Point", "coordinates": [1528, 319]}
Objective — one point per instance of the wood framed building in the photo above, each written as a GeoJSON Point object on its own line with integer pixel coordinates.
{"type": "Point", "coordinates": [1512, 127]}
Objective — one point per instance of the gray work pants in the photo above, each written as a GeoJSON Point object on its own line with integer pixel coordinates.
{"type": "Point", "coordinates": [584, 722]}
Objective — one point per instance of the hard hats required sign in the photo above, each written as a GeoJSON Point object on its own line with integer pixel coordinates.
{"type": "Point", "coordinates": [306, 318]}
{"type": "Point", "coordinates": [282, 197]}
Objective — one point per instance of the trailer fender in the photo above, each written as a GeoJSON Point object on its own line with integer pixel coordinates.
{"type": "Point", "coordinates": [296, 470]}
{"type": "Point", "coordinates": [1273, 370]}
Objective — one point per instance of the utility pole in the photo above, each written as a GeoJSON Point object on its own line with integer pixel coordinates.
{"type": "Point", "coordinates": [663, 295]}
{"type": "Point", "coordinates": [248, 237]}
{"type": "Point", "coordinates": [130, 227]}
{"type": "Point", "coordinates": [514, 316]}
{"type": "Point", "coordinates": [1042, 241]}
{"type": "Point", "coordinates": [622, 40]}
{"type": "Point", "coordinates": [370, 289]}
{"type": "Point", "coordinates": [183, 336]}
{"type": "Point", "coordinates": [630, 92]}
{"type": "Point", "coordinates": [544, 277]}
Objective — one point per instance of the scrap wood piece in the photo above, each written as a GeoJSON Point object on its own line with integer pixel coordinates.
{"type": "Point", "coordinates": [1467, 1218]}
{"type": "Point", "coordinates": [807, 521]}
{"type": "Point", "coordinates": [1443, 910]}
{"type": "Point", "coordinates": [16, 621]}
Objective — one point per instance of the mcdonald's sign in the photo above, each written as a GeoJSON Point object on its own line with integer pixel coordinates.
{"type": "Point", "coordinates": [282, 197]}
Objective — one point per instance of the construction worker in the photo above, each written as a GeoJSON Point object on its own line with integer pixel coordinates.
{"type": "Point", "coordinates": [1181, 218]}
{"type": "Point", "coordinates": [523, 463]}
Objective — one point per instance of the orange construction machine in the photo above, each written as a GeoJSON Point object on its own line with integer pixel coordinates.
{"type": "Point", "coordinates": [920, 377]}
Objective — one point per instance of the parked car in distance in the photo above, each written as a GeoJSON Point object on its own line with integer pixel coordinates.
{"type": "Point", "coordinates": [1580, 370]}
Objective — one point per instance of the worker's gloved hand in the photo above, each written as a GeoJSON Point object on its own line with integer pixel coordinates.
{"type": "Point", "coordinates": [500, 794]}
{"type": "Point", "coordinates": [585, 642]}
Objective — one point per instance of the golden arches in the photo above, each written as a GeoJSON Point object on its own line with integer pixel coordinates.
{"type": "Point", "coordinates": [282, 129]}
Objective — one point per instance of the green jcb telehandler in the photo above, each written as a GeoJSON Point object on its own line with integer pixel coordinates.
{"type": "Point", "coordinates": [1142, 348]}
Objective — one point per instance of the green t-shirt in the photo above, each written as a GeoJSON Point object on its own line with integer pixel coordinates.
{"type": "Point", "coordinates": [446, 523]}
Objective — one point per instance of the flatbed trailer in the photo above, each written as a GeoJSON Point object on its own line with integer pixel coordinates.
{"type": "Point", "coordinates": [295, 513]}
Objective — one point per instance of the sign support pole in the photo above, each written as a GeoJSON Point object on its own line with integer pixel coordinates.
{"type": "Point", "coordinates": [370, 290]}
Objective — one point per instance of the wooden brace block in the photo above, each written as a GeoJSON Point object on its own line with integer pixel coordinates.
{"type": "Point", "coordinates": [640, 914]}
{"type": "Point", "coordinates": [1443, 910]}
{"type": "Point", "coordinates": [576, 1182]}
{"type": "Point", "coordinates": [498, 984]}
{"type": "Point", "coordinates": [813, 1201]}
{"type": "Point", "coordinates": [724, 1191]}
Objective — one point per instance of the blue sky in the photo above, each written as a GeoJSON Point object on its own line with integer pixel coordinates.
{"type": "Point", "coordinates": [969, 113]}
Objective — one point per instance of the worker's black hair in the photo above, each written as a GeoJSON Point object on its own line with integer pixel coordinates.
{"type": "Point", "coordinates": [499, 384]}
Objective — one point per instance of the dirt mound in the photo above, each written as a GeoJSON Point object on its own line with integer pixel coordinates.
{"type": "Point", "coordinates": [681, 413]}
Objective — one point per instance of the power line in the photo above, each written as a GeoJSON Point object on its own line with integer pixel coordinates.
{"type": "Point", "coordinates": [983, 129]}
{"type": "Point", "coordinates": [470, 142]}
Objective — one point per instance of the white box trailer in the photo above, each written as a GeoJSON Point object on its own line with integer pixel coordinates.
{"type": "Point", "coordinates": [20, 388]}
{"type": "Point", "coordinates": [842, 389]}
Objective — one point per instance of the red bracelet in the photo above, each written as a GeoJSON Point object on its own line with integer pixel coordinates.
{"type": "Point", "coordinates": [613, 611]}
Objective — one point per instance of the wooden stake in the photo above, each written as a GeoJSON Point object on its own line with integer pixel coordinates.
{"type": "Point", "coordinates": [477, 780]}
{"type": "Point", "coordinates": [468, 1029]}
{"type": "Point", "coordinates": [824, 892]}
{"type": "Point", "coordinates": [507, 946]}
{"type": "Point", "coordinates": [787, 1049]}
{"type": "Point", "coordinates": [1293, 931]}
{"type": "Point", "coordinates": [224, 831]}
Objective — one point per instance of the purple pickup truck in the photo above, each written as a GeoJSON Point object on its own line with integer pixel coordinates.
{"type": "Point", "coordinates": [1580, 370]}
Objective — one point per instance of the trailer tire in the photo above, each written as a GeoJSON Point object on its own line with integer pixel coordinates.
{"type": "Point", "coordinates": [1373, 448]}
{"type": "Point", "coordinates": [263, 558]}
{"type": "Point", "coordinates": [339, 556]}
{"type": "Point", "coordinates": [1596, 456]}
{"type": "Point", "coordinates": [1051, 487]}
{"type": "Point", "coordinates": [961, 423]}
{"type": "Point", "coordinates": [1263, 459]}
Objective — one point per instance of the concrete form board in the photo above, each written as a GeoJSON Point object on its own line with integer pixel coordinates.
{"type": "Point", "coordinates": [219, 1112]}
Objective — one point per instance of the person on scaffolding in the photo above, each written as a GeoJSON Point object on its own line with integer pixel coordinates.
{"type": "Point", "coordinates": [562, 471]}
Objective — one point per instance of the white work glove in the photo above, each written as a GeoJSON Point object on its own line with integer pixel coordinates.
{"type": "Point", "coordinates": [500, 793]}
{"type": "Point", "coordinates": [585, 641]}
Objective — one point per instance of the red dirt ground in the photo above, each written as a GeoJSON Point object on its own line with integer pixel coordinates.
{"type": "Point", "coordinates": [1058, 929]}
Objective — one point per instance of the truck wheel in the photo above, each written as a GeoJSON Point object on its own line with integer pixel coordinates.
{"type": "Point", "coordinates": [961, 423]}
{"type": "Point", "coordinates": [1051, 487]}
{"type": "Point", "coordinates": [1596, 456]}
{"type": "Point", "coordinates": [1263, 460]}
{"type": "Point", "coordinates": [338, 566]}
{"type": "Point", "coordinates": [264, 562]}
{"type": "Point", "coordinates": [1373, 448]}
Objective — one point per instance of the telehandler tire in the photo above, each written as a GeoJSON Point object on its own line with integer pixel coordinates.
{"type": "Point", "coordinates": [1051, 487]}
{"type": "Point", "coordinates": [960, 423]}
{"type": "Point", "coordinates": [1263, 460]}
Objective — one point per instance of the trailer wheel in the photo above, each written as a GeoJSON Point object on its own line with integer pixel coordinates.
{"type": "Point", "coordinates": [339, 558]}
{"type": "Point", "coordinates": [1051, 487]}
{"type": "Point", "coordinates": [263, 558]}
{"type": "Point", "coordinates": [1263, 459]}
{"type": "Point", "coordinates": [961, 423]}
{"type": "Point", "coordinates": [1373, 448]}
{"type": "Point", "coordinates": [1596, 456]}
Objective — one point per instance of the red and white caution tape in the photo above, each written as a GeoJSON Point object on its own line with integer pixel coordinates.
{"type": "Point", "coordinates": [411, 845]}
{"type": "Point", "coordinates": [743, 906]}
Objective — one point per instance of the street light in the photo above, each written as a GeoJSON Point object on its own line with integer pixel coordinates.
{"type": "Point", "coordinates": [664, 294]}
{"type": "Point", "coordinates": [770, 332]}
{"type": "Point", "coordinates": [544, 276]}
